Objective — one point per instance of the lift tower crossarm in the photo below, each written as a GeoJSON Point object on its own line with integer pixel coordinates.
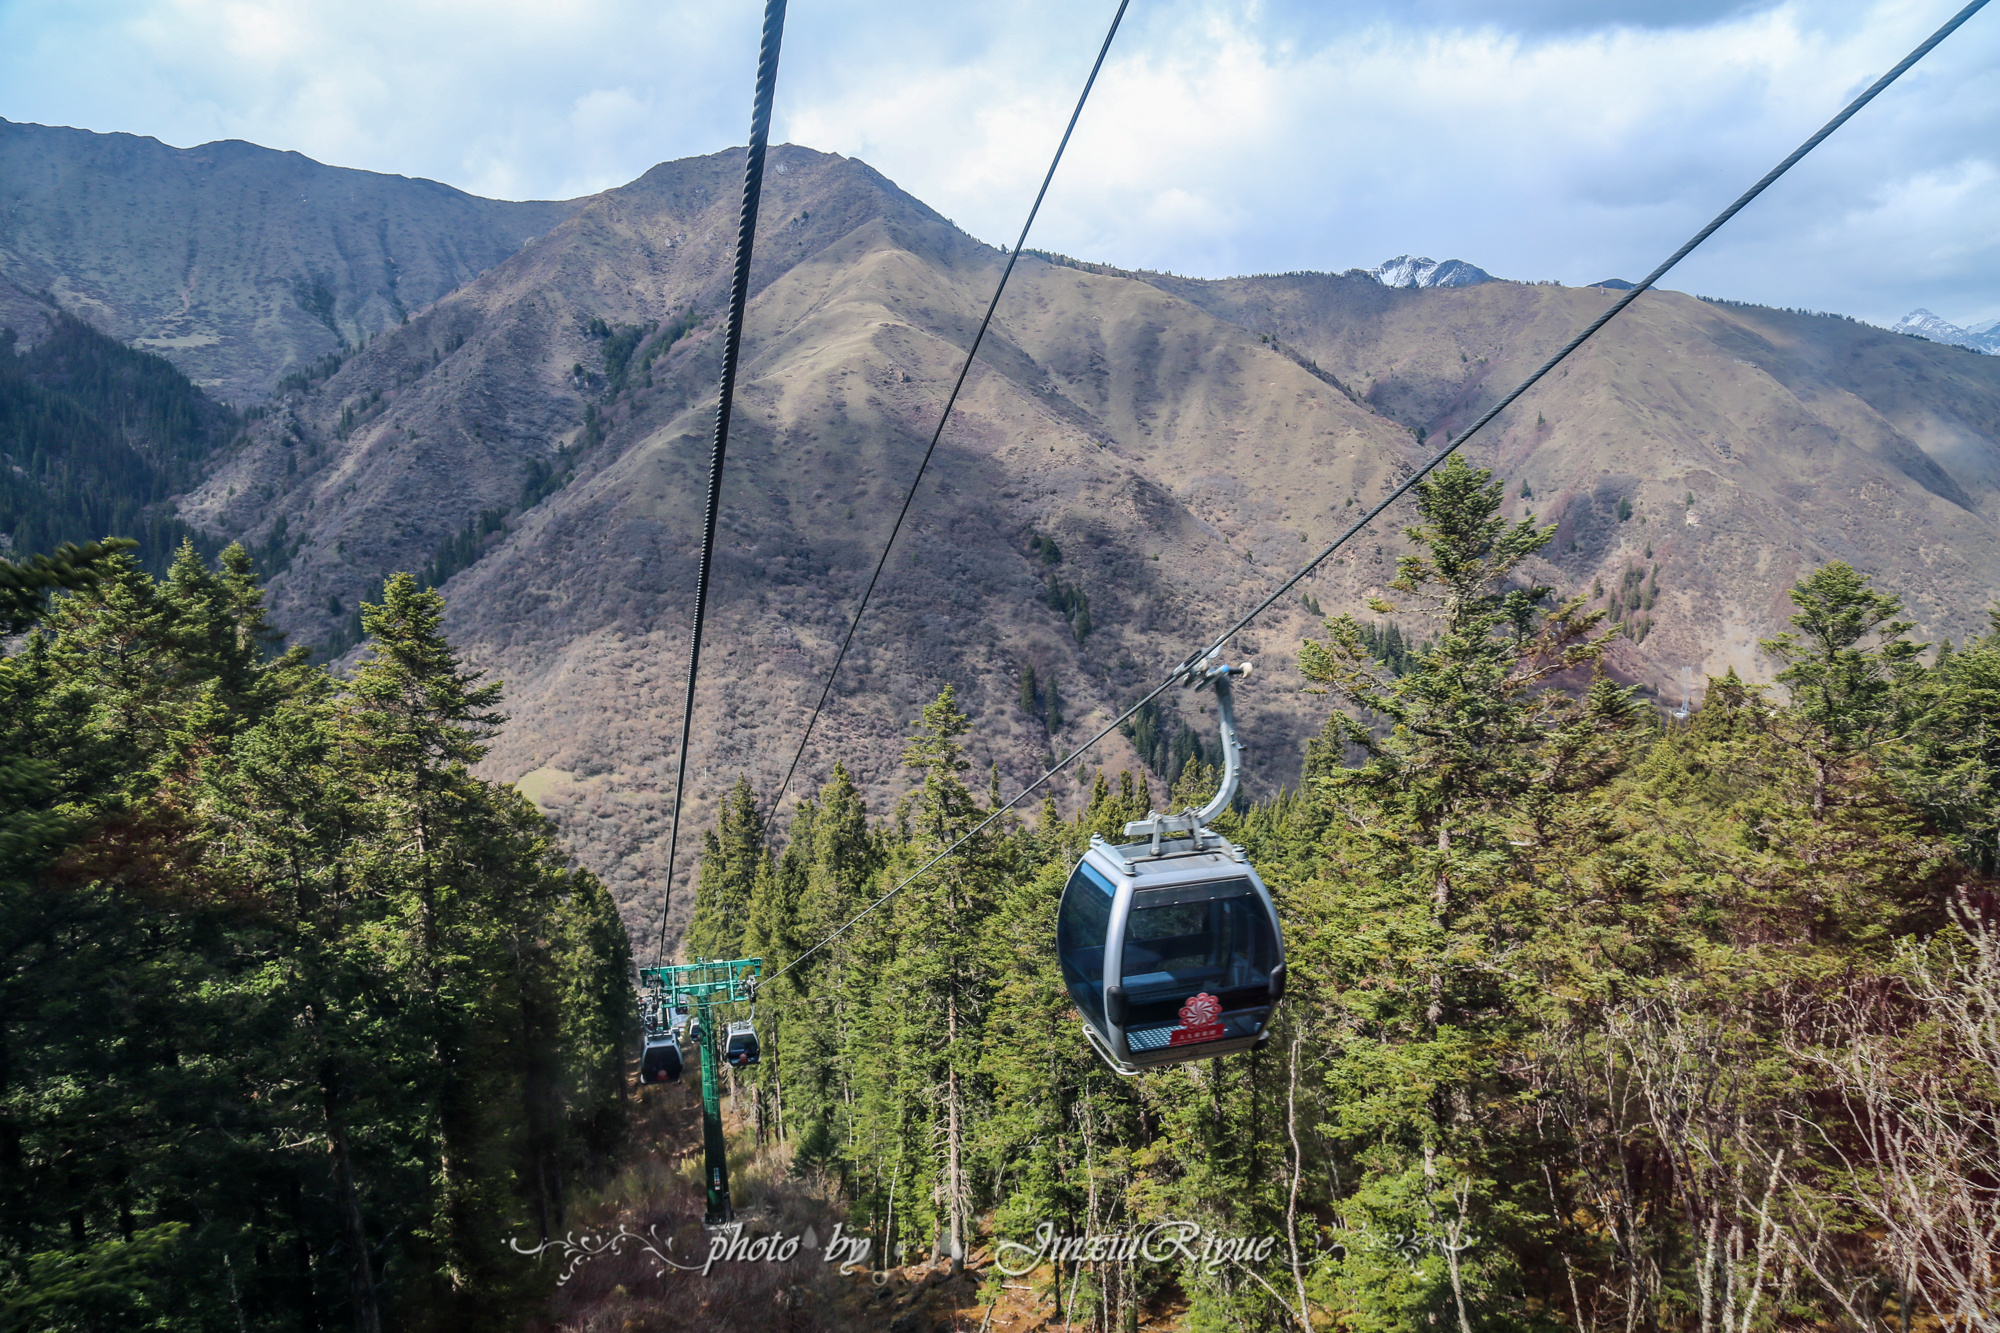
{"type": "Point", "coordinates": [730, 981]}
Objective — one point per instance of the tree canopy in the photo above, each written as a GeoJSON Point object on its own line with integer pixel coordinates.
{"type": "Point", "coordinates": [1596, 1019]}
{"type": "Point", "coordinates": [299, 1019]}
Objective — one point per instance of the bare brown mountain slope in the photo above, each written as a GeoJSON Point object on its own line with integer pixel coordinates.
{"type": "Point", "coordinates": [238, 263]}
{"type": "Point", "coordinates": [1751, 444]}
{"type": "Point", "coordinates": [1121, 422]}
{"type": "Point", "coordinates": [1182, 460]}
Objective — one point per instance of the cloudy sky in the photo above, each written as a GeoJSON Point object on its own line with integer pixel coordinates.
{"type": "Point", "coordinates": [1557, 139]}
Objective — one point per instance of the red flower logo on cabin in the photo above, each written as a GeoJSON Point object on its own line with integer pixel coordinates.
{"type": "Point", "coordinates": [1200, 1021]}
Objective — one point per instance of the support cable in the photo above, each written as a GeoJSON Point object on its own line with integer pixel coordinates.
{"type": "Point", "coordinates": [951, 401]}
{"type": "Point", "coordinates": [1215, 645]}
{"type": "Point", "coordinates": [739, 296]}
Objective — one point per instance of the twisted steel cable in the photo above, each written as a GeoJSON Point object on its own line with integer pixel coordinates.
{"type": "Point", "coordinates": [739, 295]}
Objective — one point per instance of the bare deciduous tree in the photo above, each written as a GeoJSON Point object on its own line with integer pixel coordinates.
{"type": "Point", "coordinates": [1918, 1078]}
{"type": "Point", "coordinates": [1693, 1080]}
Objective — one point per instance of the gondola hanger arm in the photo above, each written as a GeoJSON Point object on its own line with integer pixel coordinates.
{"type": "Point", "coordinates": [1203, 673]}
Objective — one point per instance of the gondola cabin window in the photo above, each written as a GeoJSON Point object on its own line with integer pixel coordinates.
{"type": "Point", "coordinates": [1224, 947]}
{"type": "Point", "coordinates": [1083, 922]}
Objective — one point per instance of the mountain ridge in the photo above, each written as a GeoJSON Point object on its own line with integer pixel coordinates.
{"type": "Point", "coordinates": [863, 298]}
{"type": "Point", "coordinates": [1182, 443]}
{"type": "Point", "coordinates": [240, 263]}
{"type": "Point", "coordinates": [1188, 424]}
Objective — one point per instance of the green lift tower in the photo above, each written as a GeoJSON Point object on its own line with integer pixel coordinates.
{"type": "Point", "coordinates": [700, 986]}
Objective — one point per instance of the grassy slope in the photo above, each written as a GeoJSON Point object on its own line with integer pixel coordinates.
{"type": "Point", "coordinates": [659, 1195]}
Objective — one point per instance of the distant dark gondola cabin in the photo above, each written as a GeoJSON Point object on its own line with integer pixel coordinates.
{"type": "Point", "coordinates": [660, 1061]}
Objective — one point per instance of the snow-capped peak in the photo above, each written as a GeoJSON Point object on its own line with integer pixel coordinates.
{"type": "Point", "coordinates": [1414, 271]}
{"type": "Point", "coordinates": [1981, 338]}
{"type": "Point", "coordinates": [1923, 322]}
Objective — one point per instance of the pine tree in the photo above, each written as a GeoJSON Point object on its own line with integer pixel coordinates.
{"type": "Point", "coordinates": [826, 988]}
{"type": "Point", "coordinates": [1949, 764]}
{"type": "Point", "coordinates": [24, 585]}
{"type": "Point", "coordinates": [416, 719]}
{"type": "Point", "coordinates": [1480, 750]}
{"type": "Point", "coordinates": [209, 618]}
{"type": "Point", "coordinates": [733, 856]}
{"type": "Point", "coordinates": [844, 862]}
{"type": "Point", "coordinates": [1844, 666]}
{"type": "Point", "coordinates": [935, 987]}
{"type": "Point", "coordinates": [123, 636]}
{"type": "Point", "coordinates": [292, 823]}
{"type": "Point", "coordinates": [599, 1017]}
{"type": "Point", "coordinates": [771, 932]}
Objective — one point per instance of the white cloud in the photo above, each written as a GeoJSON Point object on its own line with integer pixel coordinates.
{"type": "Point", "coordinates": [515, 99]}
{"type": "Point", "coordinates": [1537, 138]}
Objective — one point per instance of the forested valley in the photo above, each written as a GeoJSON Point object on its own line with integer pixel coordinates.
{"type": "Point", "coordinates": [97, 437]}
{"type": "Point", "coordinates": [317, 997]}
{"type": "Point", "coordinates": [299, 1020]}
{"type": "Point", "coordinates": [1598, 1019]}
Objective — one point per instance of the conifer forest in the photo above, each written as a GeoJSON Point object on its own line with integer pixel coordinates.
{"type": "Point", "coordinates": [485, 849]}
{"type": "Point", "coordinates": [1597, 1018]}
{"type": "Point", "coordinates": [298, 1019]}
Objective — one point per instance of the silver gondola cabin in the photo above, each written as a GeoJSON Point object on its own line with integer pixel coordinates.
{"type": "Point", "coordinates": [739, 1048]}
{"type": "Point", "coordinates": [1170, 946]}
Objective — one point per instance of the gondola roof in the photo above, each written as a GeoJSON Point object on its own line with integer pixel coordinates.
{"type": "Point", "coordinates": [1177, 859]}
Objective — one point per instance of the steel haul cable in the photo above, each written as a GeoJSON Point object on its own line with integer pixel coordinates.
{"type": "Point", "coordinates": [950, 401]}
{"type": "Point", "coordinates": [739, 295]}
{"type": "Point", "coordinates": [1215, 644]}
